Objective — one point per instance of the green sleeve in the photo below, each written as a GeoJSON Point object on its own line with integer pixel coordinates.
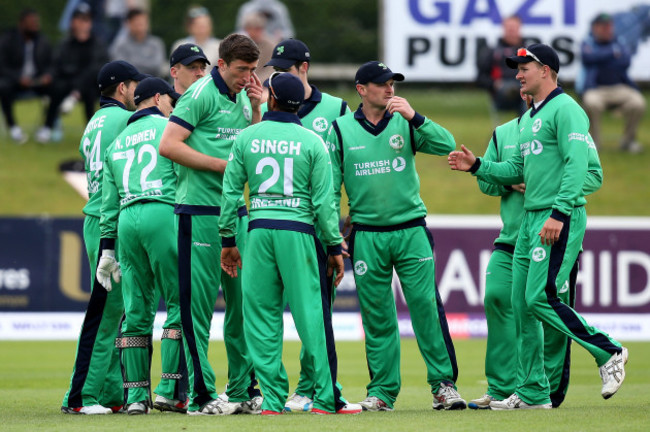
{"type": "Point", "coordinates": [334, 147]}
{"type": "Point", "coordinates": [110, 208]}
{"type": "Point", "coordinates": [492, 155]}
{"type": "Point", "coordinates": [431, 138]}
{"type": "Point", "coordinates": [594, 179]}
{"type": "Point", "coordinates": [191, 107]}
{"type": "Point", "coordinates": [325, 208]}
{"type": "Point", "coordinates": [572, 133]}
{"type": "Point", "coordinates": [503, 173]}
{"type": "Point", "coordinates": [233, 187]}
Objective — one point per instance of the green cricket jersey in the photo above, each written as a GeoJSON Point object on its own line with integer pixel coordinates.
{"type": "Point", "coordinates": [289, 175]}
{"type": "Point", "coordinates": [215, 118]}
{"type": "Point", "coordinates": [377, 164]}
{"type": "Point", "coordinates": [503, 146]}
{"type": "Point", "coordinates": [553, 156]}
{"type": "Point", "coordinates": [100, 132]}
{"type": "Point", "coordinates": [134, 170]}
{"type": "Point", "coordinates": [319, 111]}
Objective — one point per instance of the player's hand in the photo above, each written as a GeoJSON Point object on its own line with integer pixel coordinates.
{"type": "Point", "coordinates": [230, 260]}
{"type": "Point", "coordinates": [254, 90]}
{"type": "Point", "coordinates": [521, 188]}
{"type": "Point", "coordinates": [108, 267]}
{"type": "Point", "coordinates": [550, 232]}
{"type": "Point", "coordinates": [461, 160]}
{"type": "Point", "coordinates": [347, 228]}
{"type": "Point", "coordinates": [400, 105]}
{"type": "Point", "coordinates": [335, 262]}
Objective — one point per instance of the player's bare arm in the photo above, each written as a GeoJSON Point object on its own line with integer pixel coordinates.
{"type": "Point", "coordinates": [550, 232]}
{"type": "Point", "coordinates": [400, 105]}
{"type": "Point", "coordinates": [461, 160]}
{"type": "Point", "coordinates": [230, 260]}
{"type": "Point", "coordinates": [172, 146]}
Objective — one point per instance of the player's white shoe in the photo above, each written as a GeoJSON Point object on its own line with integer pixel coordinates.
{"type": "Point", "coordinates": [513, 402]}
{"type": "Point", "coordinates": [137, 408]}
{"type": "Point", "coordinates": [87, 410]}
{"type": "Point", "coordinates": [172, 405]}
{"type": "Point", "coordinates": [218, 407]}
{"type": "Point", "coordinates": [613, 373]}
{"type": "Point", "coordinates": [448, 398]}
{"type": "Point", "coordinates": [253, 406]}
{"type": "Point", "coordinates": [373, 403]}
{"type": "Point", "coordinates": [298, 403]}
{"type": "Point", "coordinates": [44, 135]}
{"type": "Point", "coordinates": [17, 135]}
{"type": "Point", "coordinates": [350, 408]}
{"type": "Point", "coordinates": [481, 403]}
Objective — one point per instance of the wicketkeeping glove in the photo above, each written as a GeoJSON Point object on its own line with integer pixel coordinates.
{"type": "Point", "coordinates": [108, 267]}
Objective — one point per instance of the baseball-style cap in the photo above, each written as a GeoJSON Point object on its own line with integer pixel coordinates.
{"type": "Point", "coordinates": [82, 10]}
{"type": "Point", "coordinates": [116, 72]}
{"type": "Point", "coordinates": [149, 87]}
{"type": "Point", "coordinates": [376, 72]}
{"type": "Point", "coordinates": [602, 18]}
{"type": "Point", "coordinates": [289, 52]}
{"type": "Point", "coordinates": [186, 54]}
{"type": "Point", "coordinates": [286, 88]}
{"type": "Point", "coordinates": [540, 53]}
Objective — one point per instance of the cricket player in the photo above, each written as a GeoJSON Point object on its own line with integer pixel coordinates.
{"type": "Point", "coordinates": [137, 208]}
{"type": "Point", "coordinates": [553, 163]}
{"type": "Point", "coordinates": [501, 353]}
{"type": "Point", "coordinates": [198, 137]}
{"type": "Point", "coordinates": [96, 383]}
{"type": "Point", "coordinates": [187, 64]}
{"type": "Point", "coordinates": [316, 113]}
{"type": "Point", "coordinates": [288, 171]}
{"type": "Point", "coordinates": [373, 153]}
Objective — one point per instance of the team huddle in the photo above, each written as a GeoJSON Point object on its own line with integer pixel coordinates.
{"type": "Point", "coordinates": [167, 218]}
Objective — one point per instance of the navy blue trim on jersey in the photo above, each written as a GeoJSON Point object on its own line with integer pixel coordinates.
{"type": "Point", "coordinates": [564, 312]}
{"type": "Point", "coordinates": [558, 91]}
{"type": "Point", "coordinates": [412, 138]}
{"type": "Point", "coordinates": [326, 301]}
{"type": "Point", "coordinates": [182, 123]}
{"type": "Point", "coordinates": [559, 216]}
{"type": "Point", "coordinates": [282, 117]}
{"type": "Point", "coordinates": [557, 396]}
{"type": "Point", "coordinates": [335, 250]}
{"type": "Point", "coordinates": [185, 300]}
{"type": "Point", "coordinates": [496, 145]}
{"type": "Point", "coordinates": [197, 210]}
{"type": "Point", "coordinates": [242, 211]}
{"type": "Point", "coordinates": [337, 130]}
{"type": "Point", "coordinates": [442, 319]}
{"type": "Point", "coordinates": [417, 120]}
{"type": "Point", "coordinates": [87, 339]}
{"type": "Point", "coordinates": [505, 247]}
{"type": "Point", "coordinates": [387, 228]}
{"type": "Point", "coordinates": [282, 224]}
{"type": "Point", "coordinates": [105, 102]}
{"type": "Point", "coordinates": [228, 242]}
{"type": "Point", "coordinates": [344, 107]}
{"type": "Point", "coordinates": [475, 166]}
{"type": "Point", "coordinates": [310, 104]}
{"type": "Point", "coordinates": [106, 243]}
{"type": "Point", "coordinates": [143, 113]}
{"type": "Point", "coordinates": [221, 85]}
{"type": "Point", "coordinates": [369, 127]}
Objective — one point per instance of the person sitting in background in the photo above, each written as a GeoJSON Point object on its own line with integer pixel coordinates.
{"type": "Point", "coordinates": [77, 62]}
{"type": "Point", "coordinates": [605, 84]}
{"type": "Point", "coordinates": [199, 29]}
{"type": "Point", "coordinates": [25, 58]}
{"type": "Point", "coordinates": [494, 75]}
{"type": "Point", "coordinates": [278, 21]}
{"type": "Point", "coordinates": [143, 50]}
{"type": "Point", "coordinates": [255, 28]}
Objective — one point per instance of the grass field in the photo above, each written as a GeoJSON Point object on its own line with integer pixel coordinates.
{"type": "Point", "coordinates": [31, 183]}
{"type": "Point", "coordinates": [34, 377]}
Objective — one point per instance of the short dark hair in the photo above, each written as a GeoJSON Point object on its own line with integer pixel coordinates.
{"type": "Point", "coordinates": [110, 91]}
{"type": "Point", "coordinates": [132, 13]}
{"type": "Point", "coordinates": [238, 47]}
{"type": "Point", "coordinates": [27, 12]}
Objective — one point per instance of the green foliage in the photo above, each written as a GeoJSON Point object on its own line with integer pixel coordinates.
{"type": "Point", "coordinates": [33, 390]}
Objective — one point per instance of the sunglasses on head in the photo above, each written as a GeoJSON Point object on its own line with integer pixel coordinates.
{"type": "Point", "coordinates": [523, 52]}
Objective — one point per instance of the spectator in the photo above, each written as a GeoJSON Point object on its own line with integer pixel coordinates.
{"type": "Point", "coordinates": [605, 84]}
{"type": "Point", "coordinates": [143, 50]}
{"type": "Point", "coordinates": [25, 57]}
{"type": "Point", "coordinates": [199, 29]}
{"type": "Point", "coordinates": [494, 75]}
{"type": "Point", "coordinates": [255, 28]}
{"type": "Point", "coordinates": [76, 64]}
{"type": "Point", "coordinates": [278, 22]}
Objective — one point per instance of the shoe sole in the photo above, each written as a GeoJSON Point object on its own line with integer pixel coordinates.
{"type": "Point", "coordinates": [164, 407]}
{"type": "Point", "coordinates": [476, 406]}
{"type": "Point", "coordinates": [454, 406]}
{"type": "Point", "coordinates": [624, 353]}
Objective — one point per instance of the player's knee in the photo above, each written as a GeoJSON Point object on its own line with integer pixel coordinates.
{"type": "Point", "coordinates": [536, 301]}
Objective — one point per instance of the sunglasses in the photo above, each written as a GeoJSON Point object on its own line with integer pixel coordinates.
{"type": "Point", "coordinates": [523, 52]}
